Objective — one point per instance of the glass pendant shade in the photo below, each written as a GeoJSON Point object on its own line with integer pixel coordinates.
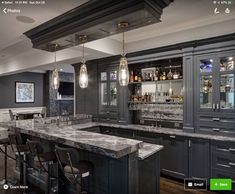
{"type": "Point", "coordinates": [123, 72]}
{"type": "Point", "coordinates": [55, 79]}
{"type": "Point", "coordinates": [83, 76]}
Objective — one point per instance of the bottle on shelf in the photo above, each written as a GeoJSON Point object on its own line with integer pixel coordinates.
{"type": "Point", "coordinates": [156, 74]}
{"type": "Point", "coordinates": [176, 75]}
{"type": "Point", "coordinates": [164, 76]}
{"type": "Point", "coordinates": [136, 77]}
{"type": "Point", "coordinates": [139, 77]}
{"type": "Point", "coordinates": [152, 76]}
{"type": "Point", "coordinates": [169, 75]}
{"type": "Point", "coordinates": [132, 77]}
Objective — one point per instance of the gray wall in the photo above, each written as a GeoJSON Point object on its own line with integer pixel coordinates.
{"type": "Point", "coordinates": [7, 89]}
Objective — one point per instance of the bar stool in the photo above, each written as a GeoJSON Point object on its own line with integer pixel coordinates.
{"type": "Point", "coordinates": [5, 144]}
{"type": "Point", "coordinates": [74, 170]}
{"type": "Point", "coordinates": [43, 159]}
{"type": "Point", "coordinates": [20, 150]}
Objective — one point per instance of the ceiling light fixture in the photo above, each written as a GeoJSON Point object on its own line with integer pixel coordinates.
{"type": "Point", "coordinates": [55, 75]}
{"type": "Point", "coordinates": [123, 73]}
{"type": "Point", "coordinates": [83, 75]}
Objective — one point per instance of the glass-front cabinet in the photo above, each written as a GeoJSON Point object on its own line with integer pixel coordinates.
{"type": "Point", "coordinates": [215, 93]}
{"type": "Point", "coordinates": [216, 82]}
{"type": "Point", "coordinates": [108, 93]}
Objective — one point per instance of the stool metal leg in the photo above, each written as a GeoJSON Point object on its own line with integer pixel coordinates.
{"type": "Point", "coordinates": [4, 181]}
{"type": "Point", "coordinates": [24, 172]}
{"type": "Point", "coordinates": [5, 164]}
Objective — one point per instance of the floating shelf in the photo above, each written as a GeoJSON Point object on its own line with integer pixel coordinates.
{"type": "Point", "coordinates": [159, 81]}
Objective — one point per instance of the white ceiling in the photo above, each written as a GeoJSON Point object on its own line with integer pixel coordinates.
{"type": "Point", "coordinates": [183, 20]}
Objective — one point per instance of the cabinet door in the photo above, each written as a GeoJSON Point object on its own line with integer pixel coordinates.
{"type": "Point", "coordinates": [199, 158]}
{"type": "Point", "coordinates": [205, 92]}
{"type": "Point", "coordinates": [174, 156]}
{"type": "Point", "coordinates": [226, 73]}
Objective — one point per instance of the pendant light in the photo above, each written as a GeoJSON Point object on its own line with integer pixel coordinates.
{"type": "Point", "coordinates": [55, 75]}
{"type": "Point", "coordinates": [83, 75]}
{"type": "Point", "coordinates": [123, 73]}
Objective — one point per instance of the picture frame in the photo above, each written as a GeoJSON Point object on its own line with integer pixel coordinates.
{"type": "Point", "coordinates": [24, 92]}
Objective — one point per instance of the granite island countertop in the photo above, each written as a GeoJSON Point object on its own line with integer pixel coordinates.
{"type": "Point", "coordinates": [112, 146]}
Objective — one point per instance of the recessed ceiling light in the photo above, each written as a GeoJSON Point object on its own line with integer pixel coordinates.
{"type": "Point", "coordinates": [25, 19]}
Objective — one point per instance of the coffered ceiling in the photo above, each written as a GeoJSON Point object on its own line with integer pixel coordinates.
{"type": "Point", "coordinates": [183, 20]}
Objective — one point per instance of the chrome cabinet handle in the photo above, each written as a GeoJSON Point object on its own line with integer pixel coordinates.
{"type": "Point", "coordinates": [231, 164]}
{"type": "Point", "coordinates": [216, 119]}
{"type": "Point", "coordinates": [172, 136]}
{"type": "Point", "coordinates": [213, 106]}
{"type": "Point", "coordinates": [216, 129]}
{"type": "Point", "coordinates": [223, 165]}
{"type": "Point", "coordinates": [231, 150]}
{"type": "Point", "coordinates": [217, 106]}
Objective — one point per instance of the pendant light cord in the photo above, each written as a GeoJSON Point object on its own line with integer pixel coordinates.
{"type": "Point", "coordinates": [55, 54]}
{"type": "Point", "coordinates": [83, 50]}
{"type": "Point", "coordinates": [123, 45]}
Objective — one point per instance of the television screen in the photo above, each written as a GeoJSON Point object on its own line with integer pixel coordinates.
{"type": "Point", "coordinates": [66, 88]}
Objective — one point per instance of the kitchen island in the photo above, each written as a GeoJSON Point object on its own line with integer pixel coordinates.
{"type": "Point", "coordinates": [118, 162]}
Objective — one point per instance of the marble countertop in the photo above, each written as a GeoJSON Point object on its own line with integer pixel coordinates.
{"type": "Point", "coordinates": [111, 146]}
{"type": "Point", "coordinates": [148, 150]}
{"type": "Point", "coordinates": [166, 131]}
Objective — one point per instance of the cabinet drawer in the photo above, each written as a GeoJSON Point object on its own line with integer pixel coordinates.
{"type": "Point", "coordinates": [216, 173]}
{"type": "Point", "coordinates": [218, 119]}
{"type": "Point", "coordinates": [216, 129]}
{"type": "Point", "coordinates": [223, 148]}
{"type": "Point", "coordinates": [223, 161]}
{"type": "Point", "coordinates": [223, 155]}
{"type": "Point", "coordinates": [216, 124]}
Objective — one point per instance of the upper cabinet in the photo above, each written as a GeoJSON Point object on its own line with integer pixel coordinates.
{"type": "Point", "coordinates": [215, 92]}
{"type": "Point", "coordinates": [108, 93]}
{"type": "Point", "coordinates": [216, 82]}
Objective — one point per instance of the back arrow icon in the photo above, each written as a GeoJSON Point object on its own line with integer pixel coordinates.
{"type": "Point", "coordinates": [5, 10]}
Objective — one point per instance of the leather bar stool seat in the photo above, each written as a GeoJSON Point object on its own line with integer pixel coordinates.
{"type": "Point", "coordinates": [83, 168]}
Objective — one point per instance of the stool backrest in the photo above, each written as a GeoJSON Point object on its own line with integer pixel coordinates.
{"type": "Point", "coordinates": [34, 147]}
{"type": "Point", "coordinates": [44, 112]}
{"type": "Point", "coordinates": [15, 141]}
{"type": "Point", "coordinates": [11, 115]}
{"type": "Point", "coordinates": [66, 156]}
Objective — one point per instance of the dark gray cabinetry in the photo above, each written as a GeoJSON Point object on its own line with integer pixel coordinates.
{"type": "Point", "coordinates": [223, 160]}
{"type": "Point", "coordinates": [108, 94]}
{"type": "Point", "coordinates": [215, 110]}
{"type": "Point", "coordinates": [174, 156]}
{"type": "Point", "coordinates": [199, 158]}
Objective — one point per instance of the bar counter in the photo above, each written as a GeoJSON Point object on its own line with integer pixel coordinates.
{"type": "Point", "coordinates": [120, 164]}
{"type": "Point", "coordinates": [115, 147]}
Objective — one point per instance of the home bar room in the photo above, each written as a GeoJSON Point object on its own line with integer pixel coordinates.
{"type": "Point", "coordinates": [117, 97]}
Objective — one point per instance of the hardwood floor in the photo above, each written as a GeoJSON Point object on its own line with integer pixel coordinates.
{"type": "Point", "coordinates": [168, 186]}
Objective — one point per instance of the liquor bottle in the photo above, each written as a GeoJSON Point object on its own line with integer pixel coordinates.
{"type": "Point", "coordinates": [132, 77]}
{"type": "Point", "coordinates": [136, 77]}
{"type": "Point", "coordinates": [140, 77]}
{"type": "Point", "coordinates": [156, 74]}
{"type": "Point", "coordinates": [170, 75]}
{"type": "Point", "coordinates": [164, 76]}
{"type": "Point", "coordinates": [176, 75]}
{"type": "Point", "coordinates": [152, 76]}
